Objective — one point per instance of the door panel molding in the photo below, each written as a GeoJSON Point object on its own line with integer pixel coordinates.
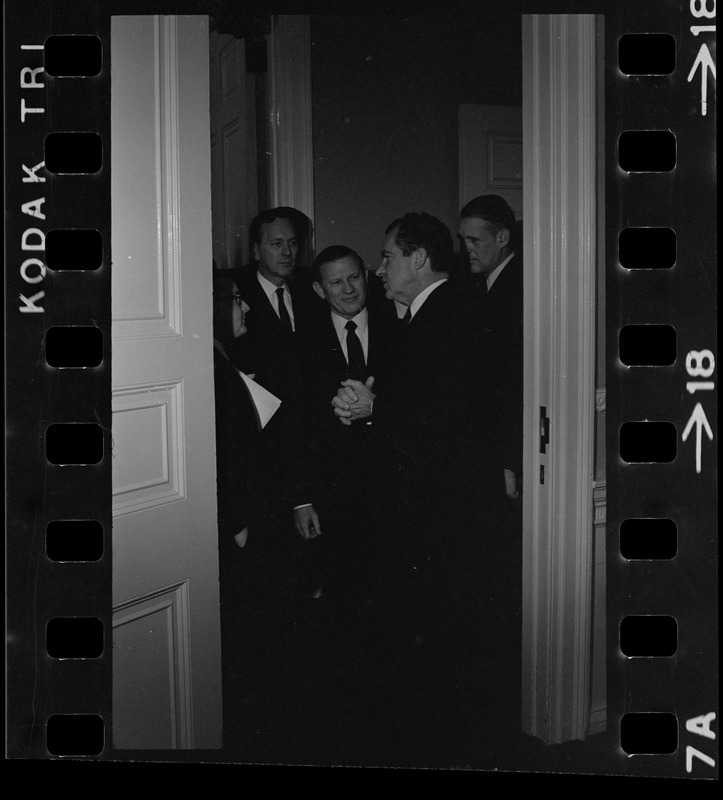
{"type": "Point", "coordinates": [154, 311]}
{"type": "Point", "coordinates": [498, 168]}
{"type": "Point", "coordinates": [161, 619]}
{"type": "Point", "coordinates": [483, 130]}
{"type": "Point", "coordinates": [136, 487]}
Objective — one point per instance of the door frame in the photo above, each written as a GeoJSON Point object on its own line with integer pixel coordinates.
{"type": "Point", "coordinates": [561, 213]}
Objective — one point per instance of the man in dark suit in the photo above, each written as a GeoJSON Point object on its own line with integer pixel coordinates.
{"type": "Point", "coordinates": [425, 405]}
{"type": "Point", "coordinates": [280, 303]}
{"type": "Point", "coordinates": [421, 400]}
{"type": "Point", "coordinates": [281, 306]}
{"type": "Point", "coordinates": [486, 229]}
{"type": "Point", "coordinates": [348, 341]}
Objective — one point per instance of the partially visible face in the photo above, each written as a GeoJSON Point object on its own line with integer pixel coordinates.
{"type": "Point", "coordinates": [343, 284]}
{"type": "Point", "coordinates": [485, 248]}
{"type": "Point", "coordinates": [397, 271]}
{"type": "Point", "coordinates": [238, 314]}
{"type": "Point", "coordinates": [229, 312]}
{"type": "Point", "coordinates": [277, 251]}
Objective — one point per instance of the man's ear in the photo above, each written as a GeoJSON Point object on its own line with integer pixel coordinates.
{"type": "Point", "coordinates": [319, 290]}
{"type": "Point", "coordinates": [420, 257]}
{"type": "Point", "coordinates": [255, 252]}
{"type": "Point", "coordinates": [503, 237]}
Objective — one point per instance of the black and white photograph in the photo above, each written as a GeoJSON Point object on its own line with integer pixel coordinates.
{"type": "Point", "coordinates": [404, 401]}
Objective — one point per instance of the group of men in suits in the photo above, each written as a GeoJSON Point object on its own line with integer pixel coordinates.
{"type": "Point", "coordinates": [398, 441]}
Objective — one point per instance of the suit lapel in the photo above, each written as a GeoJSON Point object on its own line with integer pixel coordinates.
{"type": "Point", "coordinates": [429, 310]}
{"type": "Point", "coordinates": [506, 279]}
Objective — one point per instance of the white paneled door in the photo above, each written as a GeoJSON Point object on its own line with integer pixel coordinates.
{"type": "Point", "coordinates": [166, 640]}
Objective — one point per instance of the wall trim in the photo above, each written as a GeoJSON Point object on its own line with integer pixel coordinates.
{"type": "Point", "coordinates": [599, 494]}
{"type": "Point", "coordinates": [598, 710]}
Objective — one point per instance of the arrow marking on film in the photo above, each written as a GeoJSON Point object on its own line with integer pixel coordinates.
{"type": "Point", "coordinates": [699, 419]}
{"type": "Point", "coordinates": [706, 63]}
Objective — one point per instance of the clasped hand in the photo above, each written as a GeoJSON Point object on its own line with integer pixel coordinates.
{"type": "Point", "coordinates": [354, 401]}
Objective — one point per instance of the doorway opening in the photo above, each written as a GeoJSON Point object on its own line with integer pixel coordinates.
{"type": "Point", "coordinates": [368, 139]}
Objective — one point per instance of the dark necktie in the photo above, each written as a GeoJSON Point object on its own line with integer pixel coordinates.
{"type": "Point", "coordinates": [478, 282]}
{"type": "Point", "coordinates": [283, 311]}
{"type": "Point", "coordinates": [407, 318]}
{"type": "Point", "coordinates": [355, 353]}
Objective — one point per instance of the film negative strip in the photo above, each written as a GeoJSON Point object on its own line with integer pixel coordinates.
{"type": "Point", "coordinates": [103, 665]}
{"type": "Point", "coordinates": [659, 613]}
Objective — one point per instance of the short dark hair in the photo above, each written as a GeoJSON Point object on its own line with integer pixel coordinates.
{"type": "Point", "coordinates": [335, 253]}
{"type": "Point", "coordinates": [417, 230]}
{"type": "Point", "coordinates": [494, 210]}
{"type": "Point", "coordinates": [223, 289]}
{"type": "Point", "coordinates": [294, 217]}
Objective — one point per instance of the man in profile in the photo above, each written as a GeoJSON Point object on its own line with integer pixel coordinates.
{"type": "Point", "coordinates": [486, 230]}
{"type": "Point", "coordinates": [425, 403]}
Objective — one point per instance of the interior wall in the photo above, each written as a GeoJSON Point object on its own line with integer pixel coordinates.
{"type": "Point", "coordinates": [386, 90]}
